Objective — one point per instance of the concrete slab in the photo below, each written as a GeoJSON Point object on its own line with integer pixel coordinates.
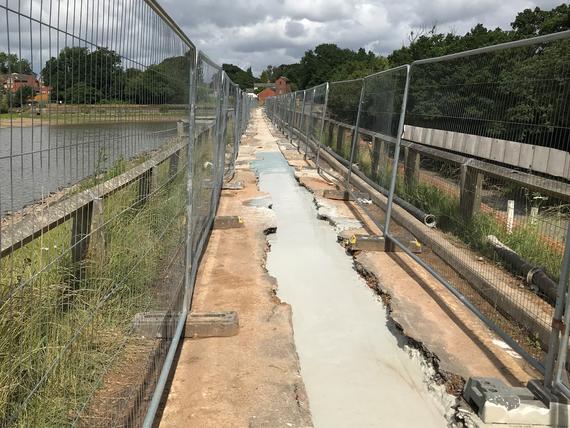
{"type": "Point", "coordinates": [227, 222]}
{"type": "Point", "coordinates": [211, 324]}
{"type": "Point", "coordinates": [498, 403]}
{"type": "Point", "coordinates": [236, 185]}
{"type": "Point", "coordinates": [419, 305]}
{"type": "Point", "coordinates": [343, 195]}
{"type": "Point", "coordinates": [377, 243]}
{"type": "Point", "coordinates": [251, 379]}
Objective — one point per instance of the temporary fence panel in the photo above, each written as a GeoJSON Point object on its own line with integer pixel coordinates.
{"type": "Point", "coordinates": [479, 179]}
{"type": "Point", "coordinates": [342, 111]}
{"type": "Point", "coordinates": [109, 184]}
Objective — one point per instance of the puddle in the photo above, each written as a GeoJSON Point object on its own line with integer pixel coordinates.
{"type": "Point", "coordinates": [355, 373]}
{"type": "Point", "coordinates": [260, 202]}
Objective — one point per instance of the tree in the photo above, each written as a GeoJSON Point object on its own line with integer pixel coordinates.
{"type": "Point", "coordinates": [536, 22]}
{"type": "Point", "coordinates": [22, 96]}
{"type": "Point", "coordinates": [78, 67]}
{"type": "Point", "coordinates": [9, 63]}
{"type": "Point", "coordinates": [4, 104]}
{"type": "Point", "coordinates": [244, 79]}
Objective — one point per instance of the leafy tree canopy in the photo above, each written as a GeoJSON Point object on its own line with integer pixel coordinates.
{"type": "Point", "coordinates": [244, 79]}
{"type": "Point", "coordinates": [328, 62]}
{"type": "Point", "coordinates": [9, 63]}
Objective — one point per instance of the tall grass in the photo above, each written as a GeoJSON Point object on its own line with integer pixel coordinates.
{"type": "Point", "coordinates": [526, 240]}
{"type": "Point", "coordinates": [52, 354]}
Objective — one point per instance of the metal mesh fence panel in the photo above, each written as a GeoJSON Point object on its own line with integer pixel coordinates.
{"type": "Point", "coordinates": [500, 231]}
{"type": "Point", "coordinates": [317, 111]}
{"type": "Point", "coordinates": [480, 180]}
{"type": "Point", "coordinates": [342, 111]}
{"type": "Point", "coordinates": [205, 153]}
{"type": "Point", "coordinates": [378, 126]}
{"type": "Point", "coordinates": [103, 154]}
{"type": "Point", "coordinates": [93, 204]}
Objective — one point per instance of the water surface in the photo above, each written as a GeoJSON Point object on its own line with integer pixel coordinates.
{"type": "Point", "coordinates": [38, 160]}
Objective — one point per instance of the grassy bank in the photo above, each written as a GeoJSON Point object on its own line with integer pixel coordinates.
{"type": "Point", "coordinates": [59, 329]}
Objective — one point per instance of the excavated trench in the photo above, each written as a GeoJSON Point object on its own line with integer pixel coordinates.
{"type": "Point", "coordinates": [356, 367]}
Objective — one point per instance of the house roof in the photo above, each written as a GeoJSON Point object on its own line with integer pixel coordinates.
{"type": "Point", "coordinates": [263, 85]}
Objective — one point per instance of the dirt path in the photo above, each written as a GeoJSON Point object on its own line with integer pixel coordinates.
{"type": "Point", "coordinates": [252, 379]}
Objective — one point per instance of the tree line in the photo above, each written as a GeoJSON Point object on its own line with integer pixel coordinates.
{"type": "Point", "coordinates": [515, 94]}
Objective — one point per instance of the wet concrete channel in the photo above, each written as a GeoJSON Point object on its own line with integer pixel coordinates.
{"type": "Point", "coordinates": [355, 370]}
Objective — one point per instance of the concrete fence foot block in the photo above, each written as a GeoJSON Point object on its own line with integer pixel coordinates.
{"type": "Point", "coordinates": [343, 195]}
{"type": "Point", "coordinates": [378, 243]}
{"type": "Point", "coordinates": [497, 403]}
{"type": "Point", "coordinates": [227, 222]}
{"type": "Point", "coordinates": [238, 185]}
{"type": "Point", "coordinates": [211, 324]}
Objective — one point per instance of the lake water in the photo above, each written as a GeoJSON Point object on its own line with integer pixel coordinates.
{"type": "Point", "coordinates": [38, 160]}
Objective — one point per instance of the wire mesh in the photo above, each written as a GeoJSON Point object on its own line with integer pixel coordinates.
{"type": "Point", "coordinates": [484, 159]}
{"type": "Point", "coordinates": [508, 235]}
{"type": "Point", "coordinates": [342, 110]}
{"type": "Point", "coordinates": [98, 172]}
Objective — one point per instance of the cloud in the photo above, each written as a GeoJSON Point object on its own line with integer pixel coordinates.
{"type": "Point", "coordinates": [257, 33]}
{"type": "Point", "coordinates": [249, 32]}
{"type": "Point", "coordinates": [294, 29]}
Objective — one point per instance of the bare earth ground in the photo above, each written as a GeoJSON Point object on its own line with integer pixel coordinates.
{"type": "Point", "coordinates": [252, 379]}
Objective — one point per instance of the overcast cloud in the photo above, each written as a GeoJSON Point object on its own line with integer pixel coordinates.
{"type": "Point", "coordinates": [257, 33]}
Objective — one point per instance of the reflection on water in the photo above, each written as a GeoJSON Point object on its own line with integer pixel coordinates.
{"type": "Point", "coordinates": [38, 160]}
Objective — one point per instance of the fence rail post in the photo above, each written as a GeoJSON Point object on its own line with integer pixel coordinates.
{"type": "Point", "coordinates": [80, 233]}
{"type": "Point", "coordinates": [302, 120]}
{"type": "Point", "coordinates": [309, 122]}
{"type": "Point", "coordinates": [394, 177]}
{"type": "Point", "coordinates": [355, 132]}
{"type": "Point", "coordinates": [322, 130]}
{"type": "Point", "coordinates": [339, 138]}
{"type": "Point", "coordinates": [411, 167]}
{"type": "Point", "coordinates": [470, 192]}
{"type": "Point", "coordinates": [96, 248]}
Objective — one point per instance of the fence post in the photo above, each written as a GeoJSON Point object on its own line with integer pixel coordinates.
{"type": "Point", "coordinates": [322, 124]}
{"type": "Point", "coordinates": [96, 249]}
{"type": "Point", "coordinates": [173, 164]}
{"type": "Point", "coordinates": [470, 192]}
{"type": "Point", "coordinates": [147, 184]}
{"type": "Point", "coordinates": [339, 138]}
{"type": "Point", "coordinates": [188, 280]}
{"type": "Point", "coordinates": [80, 233]}
{"type": "Point", "coordinates": [309, 124]}
{"type": "Point", "coordinates": [560, 310]}
{"type": "Point", "coordinates": [411, 167]}
{"type": "Point", "coordinates": [302, 120]}
{"type": "Point", "coordinates": [355, 133]}
{"type": "Point", "coordinates": [376, 146]}
{"type": "Point", "coordinates": [330, 128]}
{"type": "Point", "coordinates": [389, 244]}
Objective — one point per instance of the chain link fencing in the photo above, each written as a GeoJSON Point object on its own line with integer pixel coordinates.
{"type": "Point", "coordinates": [467, 155]}
{"type": "Point", "coordinates": [115, 135]}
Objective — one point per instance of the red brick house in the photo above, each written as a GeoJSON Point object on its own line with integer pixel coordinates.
{"type": "Point", "coordinates": [15, 81]}
{"type": "Point", "coordinates": [267, 92]}
{"type": "Point", "coordinates": [282, 85]}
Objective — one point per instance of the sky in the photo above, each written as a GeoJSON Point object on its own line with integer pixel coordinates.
{"type": "Point", "coordinates": [257, 33]}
